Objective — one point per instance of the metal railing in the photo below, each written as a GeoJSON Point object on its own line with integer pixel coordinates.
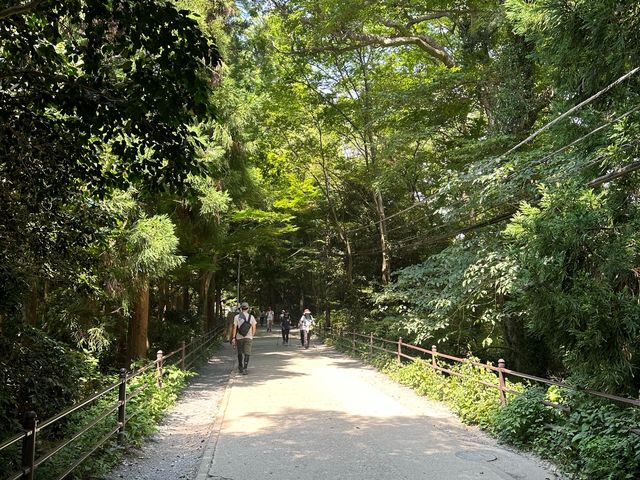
{"type": "Point", "coordinates": [185, 356]}
{"type": "Point", "coordinates": [369, 343]}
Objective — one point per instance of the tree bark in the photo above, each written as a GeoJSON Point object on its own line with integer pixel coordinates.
{"type": "Point", "coordinates": [211, 307]}
{"type": "Point", "coordinates": [385, 269]}
{"type": "Point", "coordinates": [205, 282]}
{"type": "Point", "coordinates": [327, 188]}
{"type": "Point", "coordinates": [19, 9]}
{"type": "Point", "coordinates": [163, 300]}
{"type": "Point", "coordinates": [31, 302]}
{"type": "Point", "coordinates": [139, 322]}
{"type": "Point", "coordinates": [219, 312]}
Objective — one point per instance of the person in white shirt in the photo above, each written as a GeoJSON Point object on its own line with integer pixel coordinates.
{"type": "Point", "coordinates": [244, 328]}
{"type": "Point", "coordinates": [305, 325]}
{"type": "Point", "coordinates": [269, 319]}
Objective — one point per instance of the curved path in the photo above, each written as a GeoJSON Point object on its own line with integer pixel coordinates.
{"type": "Point", "coordinates": [316, 414]}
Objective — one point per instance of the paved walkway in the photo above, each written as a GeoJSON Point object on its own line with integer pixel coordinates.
{"type": "Point", "coordinates": [316, 414]}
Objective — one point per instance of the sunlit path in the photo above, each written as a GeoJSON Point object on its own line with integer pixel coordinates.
{"type": "Point", "coordinates": [312, 414]}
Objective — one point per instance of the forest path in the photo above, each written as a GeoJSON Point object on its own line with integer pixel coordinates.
{"type": "Point", "coordinates": [175, 450]}
{"type": "Point", "coordinates": [316, 414]}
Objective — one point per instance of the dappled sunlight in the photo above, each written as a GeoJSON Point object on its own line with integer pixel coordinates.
{"type": "Point", "coordinates": [317, 440]}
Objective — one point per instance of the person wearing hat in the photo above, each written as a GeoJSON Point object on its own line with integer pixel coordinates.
{"type": "Point", "coordinates": [244, 328]}
{"type": "Point", "coordinates": [305, 324]}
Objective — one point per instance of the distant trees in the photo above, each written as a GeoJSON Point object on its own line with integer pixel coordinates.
{"type": "Point", "coordinates": [400, 114]}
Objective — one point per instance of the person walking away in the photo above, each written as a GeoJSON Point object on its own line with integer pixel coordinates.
{"type": "Point", "coordinates": [269, 319]}
{"type": "Point", "coordinates": [305, 325]}
{"type": "Point", "coordinates": [263, 315]}
{"type": "Point", "coordinates": [244, 329]}
{"type": "Point", "coordinates": [285, 326]}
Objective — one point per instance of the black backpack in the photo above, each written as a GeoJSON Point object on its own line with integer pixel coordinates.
{"type": "Point", "coordinates": [246, 324]}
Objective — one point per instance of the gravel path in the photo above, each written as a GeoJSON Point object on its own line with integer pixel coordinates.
{"type": "Point", "coordinates": [175, 450]}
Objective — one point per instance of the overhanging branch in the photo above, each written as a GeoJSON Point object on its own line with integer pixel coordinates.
{"type": "Point", "coordinates": [19, 9]}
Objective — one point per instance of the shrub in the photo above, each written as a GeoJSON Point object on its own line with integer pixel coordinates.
{"type": "Point", "coordinates": [41, 374]}
{"type": "Point", "coordinates": [523, 419]}
{"type": "Point", "coordinates": [594, 440]}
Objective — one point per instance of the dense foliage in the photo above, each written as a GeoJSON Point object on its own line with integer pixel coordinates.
{"type": "Point", "coordinates": [382, 163]}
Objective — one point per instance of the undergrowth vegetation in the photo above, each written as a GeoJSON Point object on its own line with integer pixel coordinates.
{"type": "Point", "coordinates": [146, 405]}
{"type": "Point", "coordinates": [586, 437]}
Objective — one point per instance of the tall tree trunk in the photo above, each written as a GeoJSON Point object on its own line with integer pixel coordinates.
{"type": "Point", "coordinates": [186, 299]}
{"type": "Point", "coordinates": [301, 301]}
{"type": "Point", "coordinates": [31, 302]}
{"type": "Point", "coordinates": [334, 216]}
{"type": "Point", "coordinates": [219, 311]}
{"type": "Point", "coordinates": [385, 271]}
{"type": "Point", "coordinates": [205, 281]}
{"type": "Point", "coordinates": [163, 300]}
{"type": "Point", "coordinates": [211, 307]}
{"type": "Point", "coordinates": [371, 162]}
{"type": "Point", "coordinates": [139, 322]}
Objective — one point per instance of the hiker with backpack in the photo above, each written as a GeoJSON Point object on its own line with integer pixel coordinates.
{"type": "Point", "coordinates": [244, 328]}
{"type": "Point", "coordinates": [305, 325]}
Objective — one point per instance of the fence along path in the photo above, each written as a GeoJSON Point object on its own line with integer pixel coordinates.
{"type": "Point", "coordinates": [367, 344]}
{"type": "Point", "coordinates": [359, 340]}
{"type": "Point", "coordinates": [185, 356]}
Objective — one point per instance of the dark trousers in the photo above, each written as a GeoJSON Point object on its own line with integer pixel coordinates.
{"type": "Point", "coordinates": [305, 335]}
{"type": "Point", "coordinates": [285, 335]}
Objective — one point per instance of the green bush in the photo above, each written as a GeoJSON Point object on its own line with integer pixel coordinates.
{"type": "Point", "coordinates": [40, 374]}
{"type": "Point", "coordinates": [523, 419]}
{"type": "Point", "coordinates": [144, 411]}
{"type": "Point", "coordinates": [594, 440]}
{"type": "Point", "coordinates": [473, 402]}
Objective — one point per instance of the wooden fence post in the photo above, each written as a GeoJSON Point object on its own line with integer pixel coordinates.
{"type": "Point", "coordinates": [159, 368]}
{"type": "Point", "coordinates": [183, 352]}
{"type": "Point", "coordinates": [371, 344]}
{"type": "Point", "coordinates": [30, 425]}
{"type": "Point", "coordinates": [122, 403]}
{"type": "Point", "coordinates": [503, 397]}
{"type": "Point", "coordinates": [434, 353]}
{"type": "Point", "coordinates": [353, 343]}
{"type": "Point", "coordinates": [400, 351]}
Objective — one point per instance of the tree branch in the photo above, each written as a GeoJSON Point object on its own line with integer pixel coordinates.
{"type": "Point", "coordinates": [435, 15]}
{"type": "Point", "coordinates": [366, 40]}
{"type": "Point", "coordinates": [19, 9]}
{"type": "Point", "coordinates": [421, 41]}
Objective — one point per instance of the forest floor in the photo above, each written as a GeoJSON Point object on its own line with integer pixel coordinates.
{"type": "Point", "coordinates": [313, 414]}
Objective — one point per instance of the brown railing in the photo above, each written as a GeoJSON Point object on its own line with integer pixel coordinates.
{"type": "Point", "coordinates": [368, 344]}
{"type": "Point", "coordinates": [185, 356]}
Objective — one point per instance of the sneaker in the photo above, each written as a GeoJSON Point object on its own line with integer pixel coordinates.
{"type": "Point", "coordinates": [240, 370]}
{"type": "Point", "coordinates": [244, 372]}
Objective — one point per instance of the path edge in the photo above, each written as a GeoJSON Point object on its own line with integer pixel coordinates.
{"type": "Point", "coordinates": [214, 435]}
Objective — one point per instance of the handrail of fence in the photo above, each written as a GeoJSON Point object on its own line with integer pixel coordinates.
{"type": "Point", "coordinates": [501, 369]}
{"type": "Point", "coordinates": [32, 427]}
